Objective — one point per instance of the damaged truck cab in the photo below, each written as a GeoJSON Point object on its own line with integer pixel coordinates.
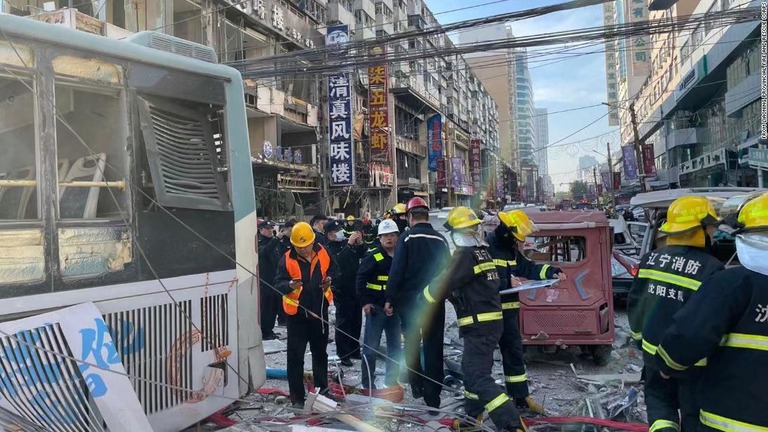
{"type": "Point", "coordinates": [126, 181]}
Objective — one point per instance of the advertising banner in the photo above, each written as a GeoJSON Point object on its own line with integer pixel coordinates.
{"type": "Point", "coordinates": [441, 182]}
{"type": "Point", "coordinates": [649, 160]}
{"type": "Point", "coordinates": [341, 151]}
{"type": "Point", "coordinates": [434, 140]}
{"type": "Point", "coordinates": [378, 109]}
{"type": "Point", "coordinates": [607, 179]}
{"type": "Point", "coordinates": [457, 172]}
{"type": "Point", "coordinates": [474, 162]}
{"type": "Point", "coordinates": [630, 163]}
{"type": "Point", "coordinates": [617, 180]}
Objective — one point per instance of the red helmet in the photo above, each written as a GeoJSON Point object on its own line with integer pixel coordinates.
{"type": "Point", "coordinates": [416, 203]}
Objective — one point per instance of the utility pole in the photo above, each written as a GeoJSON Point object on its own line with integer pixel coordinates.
{"type": "Point", "coordinates": [638, 147]}
{"type": "Point", "coordinates": [594, 174]}
{"type": "Point", "coordinates": [610, 170]}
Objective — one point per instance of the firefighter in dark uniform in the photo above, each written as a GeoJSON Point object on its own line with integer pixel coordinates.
{"type": "Point", "coordinates": [349, 227]}
{"type": "Point", "coordinates": [471, 282]}
{"type": "Point", "coordinates": [668, 277]}
{"type": "Point", "coordinates": [726, 321]}
{"type": "Point", "coordinates": [304, 277]}
{"type": "Point", "coordinates": [514, 226]}
{"type": "Point", "coordinates": [422, 254]}
{"type": "Point", "coordinates": [398, 213]}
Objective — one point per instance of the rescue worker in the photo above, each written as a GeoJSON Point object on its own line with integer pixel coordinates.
{"type": "Point", "coordinates": [269, 299]}
{"type": "Point", "coordinates": [318, 223]}
{"type": "Point", "coordinates": [422, 253]}
{"type": "Point", "coordinates": [471, 281]}
{"type": "Point", "coordinates": [370, 238]}
{"type": "Point", "coordinates": [665, 281]}
{"type": "Point", "coordinates": [371, 282]}
{"type": "Point", "coordinates": [349, 227]}
{"type": "Point", "coordinates": [304, 276]}
{"type": "Point", "coordinates": [346, 252]}
{"type": "Point", "coordinates": [515, 226]}
{"type": "Point", "coordinates": [400, 217]}
{"type": "Point", "coordinates": [726, 321]}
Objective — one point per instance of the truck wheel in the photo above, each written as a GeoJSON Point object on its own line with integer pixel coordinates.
{"type": "Point", "coordinates": [601, 354]}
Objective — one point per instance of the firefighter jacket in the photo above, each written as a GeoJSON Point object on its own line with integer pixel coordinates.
{"type": "Point", "coordinates": [665, 281]}
{"type": "Point", "coordinates": [348, 259]}
{"type": "Point", "coordinates": [373, 276]}
{"type": "Point", "coordinates": [422, 254]}
{"type": "Point", "coordinates": [726, 322]}
{"type": "Point", "coordinates": [511, 262]}
{"type": "Point", "coordinates": [309, 295]}
{"type": "Point", "coordinates": [471, 283]}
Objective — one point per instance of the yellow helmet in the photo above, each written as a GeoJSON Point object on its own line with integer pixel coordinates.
{"type": "Point", "coordinates": [462, 217]}
{"type": "Point", "coordinates": [754, 215]}
{"type": "Point", "coordinates": [398, 209]}
{"type": "Point", "coordinates": [688, 213]}
{"type": "Point", "coordinates": [522, 226]}
{"type": "Point", "coordinates": [302, 235]}
{"type": "Point", "coordinates": [350, 218]}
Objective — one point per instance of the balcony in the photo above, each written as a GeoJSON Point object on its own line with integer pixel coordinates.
{"type": "Point", "coordinates": [682, 137]}
{"type": "Point", "coordinates": [416, 22]}
{"type": "Point", "coordinates": [366, 6]}
{"type": "Point", "coordinates": [364, 32]}
{"type": "Point", "coordinates": [337, 13]}
{"type": "Point", "coordinates": [388, 3]}
{"type": "Point", "coordinates": [384, 24]}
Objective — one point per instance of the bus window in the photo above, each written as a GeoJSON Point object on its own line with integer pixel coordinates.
{"type": "Point", "coordinates": [92, 138]}
{"type": "Point", "coordinates": [18, 167]}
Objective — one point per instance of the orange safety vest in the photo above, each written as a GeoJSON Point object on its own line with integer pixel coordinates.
{"type": "Point", "coordinates": [291, 300]}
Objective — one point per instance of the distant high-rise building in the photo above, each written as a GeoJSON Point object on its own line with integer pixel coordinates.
{"type": "Point", "coordinates": [586, 165]}
{"type": "Point", "coordinates": [541, 131]}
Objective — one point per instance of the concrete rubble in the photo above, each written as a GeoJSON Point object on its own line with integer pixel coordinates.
{"type": "Point", "coordinates": [566, 382]}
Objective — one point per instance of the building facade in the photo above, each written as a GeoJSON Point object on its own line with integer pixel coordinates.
{"type": "Point", "coordinates": [541, 131]}
{"type": "Point", "coordinates": [426, 127]}
{"type": "Point", "coordinates": [698, 106]}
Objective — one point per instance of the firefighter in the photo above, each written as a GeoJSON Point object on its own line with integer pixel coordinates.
{"type": "Point", "coordinates": [349, 227]}
{"type": "Point", "coordinates": [726, 321]}
{"type": "Point", "coordinates": [471, 281]}
{"type": "Point", "coordinates": [304, 276]}
{"type": "Point", "coordinates": [422, 253]}
{"type": "Point", "coordinates": [667, 278]}
{"type": "Point", "coordinates": [371, 282]}
{"type": "Point", "coordinates": [515, 226]}
{"type": "Point", "coordinates": [398, 213]}
{"type": "Point", "coordinates": [346, 252]}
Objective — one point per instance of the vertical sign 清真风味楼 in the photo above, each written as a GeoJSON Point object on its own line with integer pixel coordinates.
{"type": "Point", "coordinates": [474, 162]}
{"type": "Point", "coordinates": [341, 153]}
{"type": "Point", "coordinates": [435, 140]}
{"type": "Point", "coordinates": [378, 108]}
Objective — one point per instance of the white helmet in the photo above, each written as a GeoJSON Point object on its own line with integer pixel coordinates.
{"type": "Point", "coordinates": [388, 226]}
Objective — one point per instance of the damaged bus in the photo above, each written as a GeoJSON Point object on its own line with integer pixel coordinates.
{"type": "Point", "coordinates": [125, 181]}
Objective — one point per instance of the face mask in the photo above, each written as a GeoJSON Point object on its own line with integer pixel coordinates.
{"type": "Point", "coordinates": [339, 236]}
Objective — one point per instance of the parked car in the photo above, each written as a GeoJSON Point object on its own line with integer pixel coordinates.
{"type": "Point", "coordinates": [623, 271]}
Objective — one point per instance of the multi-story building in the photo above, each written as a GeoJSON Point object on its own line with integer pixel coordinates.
{"type": "Point", "coordinates": [586, 166]}
{"type": "Point", "coordinates": [699, 104]}
{"type": "Point", "coordinates": [526, 134]}
{"type": "Point", "coordinates": [541, 132]}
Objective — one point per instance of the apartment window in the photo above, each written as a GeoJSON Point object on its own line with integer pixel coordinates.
{"type": "Point", "coordinates": [685, 51]}
{"type": "Point", "coordinates": [359, 16]}
{"type": "Point", "coordinates": [711, 24]}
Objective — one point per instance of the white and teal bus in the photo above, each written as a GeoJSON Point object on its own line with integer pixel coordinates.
{"type": "Point", "coordinates": [126, 181]}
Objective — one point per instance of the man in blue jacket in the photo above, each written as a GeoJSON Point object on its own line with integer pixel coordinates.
{"type": "Point", "coordinates": [422, 253]}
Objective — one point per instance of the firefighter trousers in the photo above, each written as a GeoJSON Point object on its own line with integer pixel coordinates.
{"type": "Point", "coordinates": [511, 346]}
{"type": "Point", "coordinates": [664, 397]}
{"type": "Point", "coordinates": [303, 330]}
{"type": "Point", "coordinates": [482, 392]}
{"type": "Point", "coordinates": [349, 321]}
{"type": "Point", "coordinates": [423, 322]}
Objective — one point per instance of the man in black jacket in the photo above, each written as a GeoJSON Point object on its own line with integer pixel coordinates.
{"type": "Point", "coordinates": [347, 252]}
{"type": "Point", "coordinates": [304, 276]}
{"type": "Point", "coordinates": [667, 279]}
{"type": "Point", "coordinates": [514, 226]}
{"type": "Point", "coordinates": [422, 254]}
{"type": "Point", "coordinates": [269, 299]}
{"type": "Point", "coordinates": [318, 224]}
{"type": "Point", "coordinates": [371, 282]}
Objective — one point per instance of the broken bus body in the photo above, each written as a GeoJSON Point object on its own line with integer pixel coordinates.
{"type": "Point", "coordinates": [126, 181]}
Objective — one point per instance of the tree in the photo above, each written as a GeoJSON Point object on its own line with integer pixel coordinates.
{"type": "Point", "coordinates": [579, 190]}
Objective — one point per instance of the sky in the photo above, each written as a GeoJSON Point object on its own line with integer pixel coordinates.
{"type": "Point", "coordinates": [562, 85]}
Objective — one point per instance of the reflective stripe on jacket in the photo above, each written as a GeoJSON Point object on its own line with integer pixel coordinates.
{"type": "Point", "coordinates": [321, 260]}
